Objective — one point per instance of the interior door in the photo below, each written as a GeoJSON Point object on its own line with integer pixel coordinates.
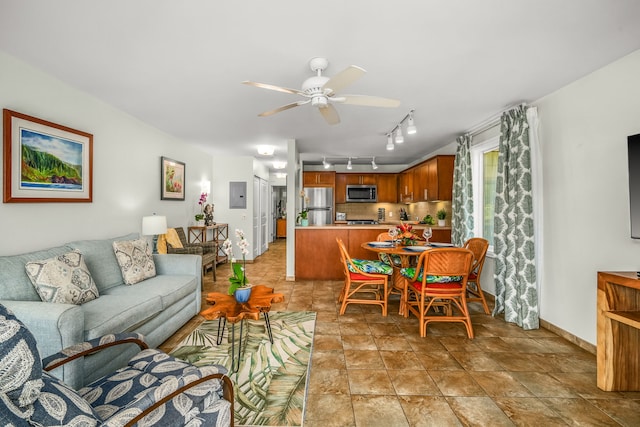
{"type": "Point", "coordinates": [256, 217]}
{"type": "Point", "coordinates": [264, 216]}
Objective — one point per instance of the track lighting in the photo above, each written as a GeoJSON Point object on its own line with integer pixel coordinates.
{"type": "Point", "coordinates": [411, 126]}
{"type": "Point", "coordinates": [397, 130]}
{"type": "Point", "coordinates": [399, 135]}
{"type": "Point", "coordinates": [390, 145]}
{"type": "Point", "coordinates": [373, 164]}
{"type": "Point", "coordinates": [349, 166]}
{"type": "Point", "coordinates": [326, 164]}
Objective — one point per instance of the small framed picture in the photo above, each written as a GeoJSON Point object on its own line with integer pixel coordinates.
{"type": "Point", "coordinates": [172, 173]}
{"type": "Point", "coordinates": [45, 162]}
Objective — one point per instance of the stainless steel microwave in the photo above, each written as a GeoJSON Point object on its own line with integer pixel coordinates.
{"type": "Point", "coordinates": [362, 193]}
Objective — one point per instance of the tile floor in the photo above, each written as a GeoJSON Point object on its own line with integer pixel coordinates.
{"type": "Point", "coordinates": [368, 370]}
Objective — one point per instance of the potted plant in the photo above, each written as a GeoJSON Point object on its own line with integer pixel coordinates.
{"type": "Point", "coordinates": [200, 216]}
{"type": "Point", "coordinates": [239, 287]}
{"type": "Point", "coordinates": [442, 215]}
{"type": "Point", "coordinates": [303, 217]}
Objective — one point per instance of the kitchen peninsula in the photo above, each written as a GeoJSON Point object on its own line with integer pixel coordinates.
{"type": "Point", "coordinates": [317, 255]}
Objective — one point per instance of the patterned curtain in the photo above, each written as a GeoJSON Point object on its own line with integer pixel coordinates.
{"type": "Point", "coordinates": [462, 203]}
{"type": "Point", "coordinates": [515, 263]}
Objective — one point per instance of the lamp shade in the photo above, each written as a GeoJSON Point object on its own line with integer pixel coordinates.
{"type": "Point", "coordinates": [155, 224]}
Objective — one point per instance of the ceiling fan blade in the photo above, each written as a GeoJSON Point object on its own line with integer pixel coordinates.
{"type": "Point", "coordinates": [283, 108]}
{"type": "Point", "coordinates": [330, 114]}
{"type": "Point", "coordinates": [365, 100]}
{"type": "Point", "coordinates": [343, 79]}
{"type": "Point", "coordinates": [274, 87]}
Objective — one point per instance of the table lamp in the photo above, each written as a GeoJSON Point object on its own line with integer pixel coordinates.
{"type": "Point", "coordinates": [152, 226]}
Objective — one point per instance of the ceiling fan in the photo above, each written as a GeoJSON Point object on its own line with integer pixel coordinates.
{"type": "Point", "coordinates": [321, 92]}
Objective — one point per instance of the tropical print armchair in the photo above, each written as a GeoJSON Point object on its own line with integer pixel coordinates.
{"type": "Point", "coordinates": [153, 389]}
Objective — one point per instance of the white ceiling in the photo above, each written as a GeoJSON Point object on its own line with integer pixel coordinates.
{"type": "Point", "coordinates": [178, 64]}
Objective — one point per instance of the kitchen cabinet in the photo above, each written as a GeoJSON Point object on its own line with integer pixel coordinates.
{"type": "Point", "coordinates": [318, 179]}
{"type": "Point", "coordinates": [420, 182]}
{"type": "Point", "coordinates": [439, 178]}
{"type": "Point", "coordinates": [387, 187]}
{"type": "Point", "coordinates": [405, 186]}
{"type": "Point", "coordinates": [360, 179]}
{"type": "Point", "coordinates": [341, 188]}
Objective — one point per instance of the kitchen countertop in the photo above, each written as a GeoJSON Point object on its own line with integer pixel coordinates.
{"type": "Point", "coordinates": [370, 226]}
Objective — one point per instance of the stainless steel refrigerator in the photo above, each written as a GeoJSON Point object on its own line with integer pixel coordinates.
{"type": "Point", "coordinates": [320, 205]}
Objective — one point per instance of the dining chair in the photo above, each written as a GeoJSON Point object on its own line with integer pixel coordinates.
{"type": "Point", "coordinates": [363, 276]}
{"type": "Point", "coordinates": [439, 280]}
{"type": "Point", "coordinates": [479, 247]}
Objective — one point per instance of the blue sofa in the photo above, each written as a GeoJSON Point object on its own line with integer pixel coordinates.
{"type": "Point", "coordinates": [156, 307]}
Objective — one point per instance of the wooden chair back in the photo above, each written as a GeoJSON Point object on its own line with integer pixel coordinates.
{"type": "Point", "coordinates": [444, 262]}
{"type": "Point", "coordinates": [479, 247]}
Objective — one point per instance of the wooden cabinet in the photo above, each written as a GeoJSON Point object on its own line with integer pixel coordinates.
{"type": "Point", "coordinates": [618, 331]}
{"type": "Point", "coordinates": [405, 186]}
{"type": "Point", "coordinates": [341, 187]}
{"type": "Point", "coordinates": [360, 178]}
{"type": "Point", "coordinates": [439, 173]}
{"type": "Point", "coordinates": [318, 179]}
{"type": "Point", "coordinates": [387, 187]}
{"type": "Point", "coordinates": [420, 182]}
{"type": "Point", "coordinates": [281, 227]}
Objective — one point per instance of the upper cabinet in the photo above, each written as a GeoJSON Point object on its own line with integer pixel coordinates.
{"type": "Point", "coordinates": [387, 187]}
{"type": "Point", "coordinates": [405, 186]}
{"type": "Point", "coordinates": [433, 179]}
{"type": "Point", "coordinates": [360, 178]}
{"type": "Point", "coordinates": [318, 179]}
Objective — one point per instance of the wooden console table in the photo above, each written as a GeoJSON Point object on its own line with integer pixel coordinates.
{"type": "Point", "coordinates": [618, 331]}
{"type": "Point", "coordinates": [198, 234]}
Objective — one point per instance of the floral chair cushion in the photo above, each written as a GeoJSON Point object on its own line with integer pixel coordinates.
{"type": "Point", "coordinates": [370, 266]}
{"type": "Point", "coordinates": [391, 259]}
{"type": "Point", "coordinates": [410, 272]}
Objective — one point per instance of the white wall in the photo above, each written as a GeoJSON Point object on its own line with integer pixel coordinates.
{"type": "Point", "coordinates": [126, 173]}
{"type": "Point", "coordinates": [584, 129]}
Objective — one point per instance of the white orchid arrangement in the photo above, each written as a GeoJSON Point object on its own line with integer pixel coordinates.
{"type": "Point", "coordinates": [239, 279]}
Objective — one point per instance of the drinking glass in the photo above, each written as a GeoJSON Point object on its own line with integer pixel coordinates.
{"type": "Point", "coordinates": [427, 233]}
{"type": "Point", "coordinates": [393, 233]}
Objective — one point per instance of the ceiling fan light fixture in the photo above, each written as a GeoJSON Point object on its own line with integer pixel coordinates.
{"type": "Point", "coordinates": [399, 136]}
{"type": "Point", "coordinates": [266, 150]}
{"type": "Point", "coordinates": [373, 164]}
{"type": "Point", "coordinates": [411, 126]}
{"type": "Point", "coordinates": [349, 165]}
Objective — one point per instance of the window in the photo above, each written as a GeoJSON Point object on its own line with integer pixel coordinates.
{"type": "Point", "coordinates": [484, 169]}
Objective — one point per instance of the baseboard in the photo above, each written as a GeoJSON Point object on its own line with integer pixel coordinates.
{"type": "Point", "coordinates": [556, 330]}
{"type": "Point", "coordinates": [569, 337]}
{"type": "Point", "coordinates": [290, 279]}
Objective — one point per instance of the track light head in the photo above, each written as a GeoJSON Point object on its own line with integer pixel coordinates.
{"type": "Point", "coordinates": [373, 164]}
{"type": "Point", "coordinates": [411, 126]}
{"type": "Point", "coordinates": [326, 164]}
{"type": "Point", "coordinates": [399, 136]}
{"type": "Point", "coordinates": [349, 166]}
{"type": "Point", "coordinates": [390, 145]}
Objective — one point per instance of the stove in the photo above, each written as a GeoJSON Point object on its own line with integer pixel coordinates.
{"type": "Point", "coordinates": [361, 222]}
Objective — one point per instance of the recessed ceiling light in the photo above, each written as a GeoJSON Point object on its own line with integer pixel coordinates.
{"type": "Point", "coordinates": [266, 150]}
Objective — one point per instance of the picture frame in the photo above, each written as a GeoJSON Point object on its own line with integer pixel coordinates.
{"type": "Point", "coordinates": [45, 162]}
{"type": "Point", "coordinates": [172, 176]}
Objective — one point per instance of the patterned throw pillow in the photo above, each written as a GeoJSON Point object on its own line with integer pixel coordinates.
{"type": "Point", "coordinates": [371, 266]}
{"type": "Point", "coordinates": [21, 367]}
{"type": "Point", "coordinates": [135, 260]}
{"type": "Point", "coordinates": [63, 279]}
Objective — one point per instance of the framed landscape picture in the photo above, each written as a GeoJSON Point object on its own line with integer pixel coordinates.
{"type": "Point", "coordinates": [172, 172]}
{"type": "Point", "coordinates": [45, 162]}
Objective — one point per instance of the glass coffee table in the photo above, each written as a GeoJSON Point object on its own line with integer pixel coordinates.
{"type": "Point", "coordinates": [225, 308]}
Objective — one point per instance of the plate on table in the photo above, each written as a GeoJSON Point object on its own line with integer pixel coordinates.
{"type": "Point", "coordinates": [442, 245]}
{"type": "Point", "coordinates": [417, 248]}
{"type": "Point", "coordinates": [381, 244]}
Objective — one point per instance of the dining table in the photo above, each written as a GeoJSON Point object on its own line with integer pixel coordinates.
{"type": "Point", "coordinates": [407, 253]}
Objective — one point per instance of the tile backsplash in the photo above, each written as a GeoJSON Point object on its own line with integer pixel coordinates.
{"type": "Point", "coordinates": [416, 211]}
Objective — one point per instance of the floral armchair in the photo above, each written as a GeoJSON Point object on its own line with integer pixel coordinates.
{"type": "Point", "coordinates": [153, 389]}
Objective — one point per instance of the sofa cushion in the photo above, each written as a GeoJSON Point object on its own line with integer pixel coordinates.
{"type": "Point", "coordinates": [112, 314]}
{"type": "Point", "coordinates": [63, 279]}
{"type": "Point", "coordinates": [101, 260]}
{"type": "Point", "coordinates": [20, 363]}
{"type": "Point", "coordinates": [170, 288]}
{"type": "Point", "coordinates": [14, 282]}
{"type": "Point", "coordinates": [135, 260]}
